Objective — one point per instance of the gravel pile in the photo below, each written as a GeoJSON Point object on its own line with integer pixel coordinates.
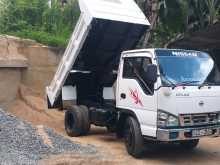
{"type": "Point", "coordinates": [20, 143]}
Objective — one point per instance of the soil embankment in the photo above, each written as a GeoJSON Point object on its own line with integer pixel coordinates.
{"type": "Point", "coordinates": [11, 65]}
{"type": "Point", "coordinates": [25, 62]}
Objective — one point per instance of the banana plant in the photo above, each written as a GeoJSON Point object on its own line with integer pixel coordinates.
{"type": "Point", "coordinates": [213, 7]}
{"type": "Point", "coordinates": [179, 17]}
{"type": "Point", "coordinates": [196, 13]}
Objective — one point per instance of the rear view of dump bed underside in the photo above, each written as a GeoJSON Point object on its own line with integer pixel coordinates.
{"type": "Point", "coordinates": [105, 29]}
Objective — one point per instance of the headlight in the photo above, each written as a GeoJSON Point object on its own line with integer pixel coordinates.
{"type": "Point", "coordinates": [165, 119]}
{"type": "Point", "coordinates": [172, 121]}
{"type": "Point", "coordinates": [219, 117]}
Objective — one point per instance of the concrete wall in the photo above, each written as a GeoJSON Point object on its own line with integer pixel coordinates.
{"type": "Point", "coordinates": [42, 65]}
{"type": "Point", "coordinates": [25, 62]}
{"type": "Point", "coordinates": [9, 84]}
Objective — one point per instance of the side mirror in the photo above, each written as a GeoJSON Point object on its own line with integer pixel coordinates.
{"type": "Point", "coordinates": [150, 76]}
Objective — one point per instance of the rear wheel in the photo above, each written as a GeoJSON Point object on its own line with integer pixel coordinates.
{"type": "Point", "coordinates": [85, 117]}
{"type": "Point", "coordinates": [73, 121]}
{"type": "Point", "coordinates": [134, 141]}
{"type": "Point", "coordinates": [189, 144]}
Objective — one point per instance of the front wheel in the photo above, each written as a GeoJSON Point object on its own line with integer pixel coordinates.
{"type": "Point", "coordinates": [189, 144]}
{"type": "Point", "coordinates": [134, 141]}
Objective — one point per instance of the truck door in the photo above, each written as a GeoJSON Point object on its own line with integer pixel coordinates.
{"type": "Point", "coordinates": [136, 95]}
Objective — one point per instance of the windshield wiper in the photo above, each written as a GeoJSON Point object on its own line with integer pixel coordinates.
{"type": "Point", "coordinates": [167, 79]}
{"type": "Point", "coordinates": [187, 83]}
{"type": "Point", "coordinates": [208, 84]}
{"type": "Point", "coordinates": [203, 84]}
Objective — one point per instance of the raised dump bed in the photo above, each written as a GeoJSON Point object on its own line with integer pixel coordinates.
{"type": "Point", "coordinates": [105, 28]}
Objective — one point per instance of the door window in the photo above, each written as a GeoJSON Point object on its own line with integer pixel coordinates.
{"type": "Point", "coordinates": [134, 68]}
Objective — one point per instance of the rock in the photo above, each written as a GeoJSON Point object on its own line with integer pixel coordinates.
{"type": "Point", "coordinates": [21, 143]}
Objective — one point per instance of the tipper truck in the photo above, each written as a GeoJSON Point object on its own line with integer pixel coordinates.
{"type": "Point", "coordinates": [145, 95]}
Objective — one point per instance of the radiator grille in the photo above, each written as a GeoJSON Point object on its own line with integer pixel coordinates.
{"type": "Point", "coordinates": [198, 119]}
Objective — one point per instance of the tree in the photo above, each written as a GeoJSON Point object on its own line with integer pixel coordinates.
{"type": "Point", "coordinates": [213, 7]}
{"type": "Point", "coordinates": [150, 8]}
{"type": "Point", "coordinates": [173, 19]}
{"type": "Point", "coordinates": [36, 20]}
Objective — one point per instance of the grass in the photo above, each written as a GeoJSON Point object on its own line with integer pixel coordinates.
{"type": "Point", "coordinates": [43, 37]}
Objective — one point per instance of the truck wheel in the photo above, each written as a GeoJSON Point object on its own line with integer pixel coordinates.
{"type": "Point", "coordinates": [134, 141]}
{"type": "Point", "coordinates": [86, 121]}
{"type": "Point", "coordinates": [189, 144]}
{"type": "Point", "coordinates": [73, 121]}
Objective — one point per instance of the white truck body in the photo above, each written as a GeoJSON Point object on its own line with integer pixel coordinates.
{"type": "Point", "coordinates": [157, 94]}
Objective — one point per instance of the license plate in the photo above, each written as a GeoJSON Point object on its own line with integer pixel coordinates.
{"type": "Point", "coordinates": [202, 132]}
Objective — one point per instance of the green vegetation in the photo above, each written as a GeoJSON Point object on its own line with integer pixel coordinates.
{"type": "Point", "coordinates": [176, 18]}
{"type": "Point", "coordinates": [36, 20]}
{"type": "Point", "coordinates": [182, 17]}
{"type": "Point", "coordinates": [53, 26]}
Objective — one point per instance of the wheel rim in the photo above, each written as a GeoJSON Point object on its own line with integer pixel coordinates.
{"type": "Point", "coordinates": [70, 121]}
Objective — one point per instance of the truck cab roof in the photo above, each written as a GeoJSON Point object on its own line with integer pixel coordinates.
{"type": "Point", "coordinates": [138, 52]}
{"type": "Point", "coordinates": [142, 52]}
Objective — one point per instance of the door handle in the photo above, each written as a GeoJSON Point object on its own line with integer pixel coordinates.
{"type": "Point", "coordinates": [123, 95]}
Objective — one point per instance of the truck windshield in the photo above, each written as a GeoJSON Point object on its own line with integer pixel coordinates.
{"type": "Point", "coordinates": [181, 67]}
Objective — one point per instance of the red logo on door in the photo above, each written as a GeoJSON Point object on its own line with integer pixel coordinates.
{"type": "Point", "coordinates": [134, 95]}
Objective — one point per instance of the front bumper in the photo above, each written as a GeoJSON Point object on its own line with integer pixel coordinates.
{"type": "Point", "coordinates": [184, 133]}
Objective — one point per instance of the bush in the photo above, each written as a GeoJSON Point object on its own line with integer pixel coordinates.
{"type": "Point", "coordinates": [35, 20]}
{"type": "Point", "coordinates": [42, 37]}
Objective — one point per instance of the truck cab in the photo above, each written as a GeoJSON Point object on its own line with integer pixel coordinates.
{"type": "Point", "coordinates": [172, 94]}
{"type": "Point", "coordinates": [184, 97]}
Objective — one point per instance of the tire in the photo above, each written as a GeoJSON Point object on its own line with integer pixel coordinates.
{"type": "Point", "coordinates": [189, 144]}
{"type": "Point", "coordinates": [134, 141]}
{"type": "Point", "coordinates": [86, 121]}
{"type": "Point", "coordinates": [73, 121]}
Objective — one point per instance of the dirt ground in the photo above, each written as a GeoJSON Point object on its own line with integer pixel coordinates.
{"type": "Point", "coordinates": [32, 109]}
